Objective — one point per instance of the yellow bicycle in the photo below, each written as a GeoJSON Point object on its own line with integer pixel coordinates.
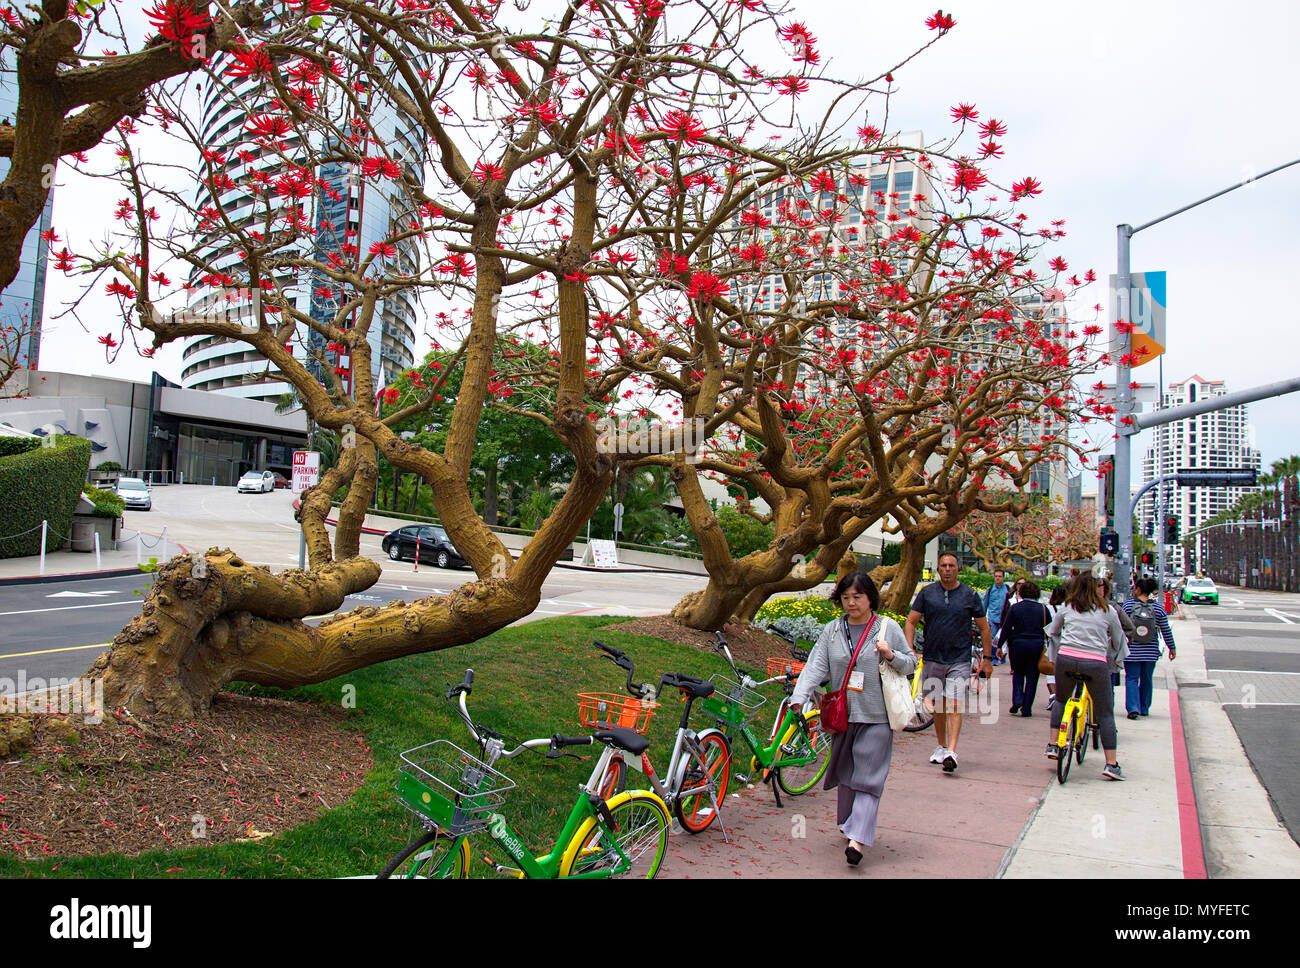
{"type": "Point", "coordinates": [1077, 719]}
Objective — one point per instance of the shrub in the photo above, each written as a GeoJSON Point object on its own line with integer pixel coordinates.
{"type": "Point", "coordinates": [11, 446]}
{"type": "Point", "coordinates": [107, 504]}
{"type": "Point", "coordinates": [803, 617]}
{"type": "Point", "coordinates": [744, 534]}
{"type": "Point", "coordinates": [109, 466]}
{"type": "Point", "coordinates": [41, 484]}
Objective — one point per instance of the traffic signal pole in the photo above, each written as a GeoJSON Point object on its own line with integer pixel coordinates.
{"type": "Point", "coordinates": [1126, 422]}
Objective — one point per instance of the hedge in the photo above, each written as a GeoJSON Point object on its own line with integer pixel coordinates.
{"type": "Point", "coordinates": [9, 446]}
{"type": "Point", "coordinates": [41, 484]}
{"type": "Point", "coordinates": [107, 504]}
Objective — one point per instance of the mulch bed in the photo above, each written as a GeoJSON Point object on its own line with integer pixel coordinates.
{"type": "Point", "coordinates": [750, 647]}
{"type": "Point", "coordinates": [252, 768]}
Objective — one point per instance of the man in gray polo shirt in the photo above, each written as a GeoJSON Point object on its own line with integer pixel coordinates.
{"type": "Point", "coordinates": [948, 607]}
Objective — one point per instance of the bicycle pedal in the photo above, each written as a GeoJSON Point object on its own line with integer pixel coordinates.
{"type": "Point", "coordinates": [743, 777]}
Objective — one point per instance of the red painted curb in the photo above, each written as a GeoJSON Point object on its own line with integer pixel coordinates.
{"type": "Point", "coordinates": [1189, 821]}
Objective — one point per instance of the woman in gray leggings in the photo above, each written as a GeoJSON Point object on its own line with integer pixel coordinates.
{"type": "Point", "coordinates": [1085, 639]}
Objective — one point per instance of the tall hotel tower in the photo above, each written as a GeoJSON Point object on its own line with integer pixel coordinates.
{"type": "Point", "coordinates": [371, 208]}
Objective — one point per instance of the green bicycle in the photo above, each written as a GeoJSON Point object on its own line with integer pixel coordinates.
{"type": "Point", "coordinates": [456, 795]}
{"type": "Point", "coordinates": [798, 750]}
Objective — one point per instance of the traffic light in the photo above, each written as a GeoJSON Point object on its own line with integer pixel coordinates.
{"type": "Point", "coordinates": [1109, 543]}
{"type": "Point", "coordinates": [1151, 527]}
{"type": "Point", "coordinates": [1148, 558]}
{"type": "Point", "coordinates": [1171, 529]}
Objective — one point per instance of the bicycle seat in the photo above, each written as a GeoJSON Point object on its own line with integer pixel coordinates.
{"type": "Point", "coordinates": [699, 688]}
{"type": "Point", "coordinates": [624, 738]}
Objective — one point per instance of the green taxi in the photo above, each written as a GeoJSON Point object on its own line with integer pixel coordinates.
{"type": "Point", "coordinates": [1200, 590]}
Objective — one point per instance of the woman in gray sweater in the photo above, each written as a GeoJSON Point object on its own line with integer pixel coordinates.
{"type": "Point", "coordinates": [859, 761]}
{"type": "Point", "coordinates": [1085, 639]}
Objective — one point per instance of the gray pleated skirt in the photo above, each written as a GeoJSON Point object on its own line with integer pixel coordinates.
{"type": "Point", "coordinates": [858, 766]}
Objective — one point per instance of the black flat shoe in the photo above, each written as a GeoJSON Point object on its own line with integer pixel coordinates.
{"type": "Point", "coordinates": [1027, 714]}
{"type": "Point", "coordinates": [1013, 710]}
{"type": "Point", "coordinates": [1132, 715]}
{"type": "Point", "coordinates": [852, 855]}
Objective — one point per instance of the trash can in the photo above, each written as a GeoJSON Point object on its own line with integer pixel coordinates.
{"type": "Point", "coordinates": [83, 534]}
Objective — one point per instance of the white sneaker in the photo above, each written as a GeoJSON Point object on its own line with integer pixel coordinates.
{"type": "Point", "coordinates": [949, 761]}
{"type": "Point", "coordinates": [938, 754]}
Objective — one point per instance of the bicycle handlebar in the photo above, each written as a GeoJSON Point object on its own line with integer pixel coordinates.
{"type": "Point", "coordinates": [624, 661]}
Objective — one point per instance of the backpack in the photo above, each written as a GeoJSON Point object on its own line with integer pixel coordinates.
{"type": "Point", "coordinates": [1144, 622]}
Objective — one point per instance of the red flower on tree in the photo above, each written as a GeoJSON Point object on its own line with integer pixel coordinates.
{"type": "Point", "coordinates": [940, 21]}
{"type": "Point", "coordinates": [177, 21]}
{"type": "Point", "coordinates": [1025, 188]}
{"type": "Point", "coordinates": [967, 178]}
{"type": "Point", "coordinates": [683, 127]}
{"type": "Point", "coordinates": [705, 285]}
{"type": "Point", "coordinates": [964, 112]}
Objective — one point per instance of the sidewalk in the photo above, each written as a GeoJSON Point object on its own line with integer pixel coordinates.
{"type": "Point", "coordinates": [1001, 814]}
{"type": "Point", "coordinates": [132, 548]}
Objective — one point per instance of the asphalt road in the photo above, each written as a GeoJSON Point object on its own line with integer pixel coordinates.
{"type": "Point", "coordinates": [1252, 650]}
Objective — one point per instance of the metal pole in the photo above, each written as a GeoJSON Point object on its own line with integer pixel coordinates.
{"type": "Point", "coordinates": [98, 564]}
{"type": "Point", "coordinates": [43, 526]}
{"type": "Point", "coordinates": [1162, 504]}
{"type": "Point", "coordinates": [1143, 421]}
{"type": "Point", "coordinates": [1123, 408]}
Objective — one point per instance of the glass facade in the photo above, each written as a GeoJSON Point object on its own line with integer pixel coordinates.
{"type": "Point", "coordinates": [23, 300]}
{"type": "Point", "coordinates": [210, 455]}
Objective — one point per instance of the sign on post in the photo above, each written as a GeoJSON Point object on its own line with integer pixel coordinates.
{"type": "Point", "coordinates": [306, 470]}
{"type": "Point", "coordinates": [1147, 300]}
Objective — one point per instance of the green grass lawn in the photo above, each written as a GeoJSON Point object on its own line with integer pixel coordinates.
{"type": "Point", "coordinates": [527, 678]}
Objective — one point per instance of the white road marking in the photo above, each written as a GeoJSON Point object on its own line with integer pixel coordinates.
{"type": "Point", "coordinates": [1255, 672]}
{"type": "Point", "coordinates": [1252, 705]}
{"type": "Point", "coordinates": [82, 594]}
{"type": "Point", "coordinates": [1280, 616]}
{"type": "Point", "coordinates": [66, 608]}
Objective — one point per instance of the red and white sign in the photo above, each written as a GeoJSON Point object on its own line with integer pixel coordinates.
{"type": "Point", "coordinates": [306, 470]}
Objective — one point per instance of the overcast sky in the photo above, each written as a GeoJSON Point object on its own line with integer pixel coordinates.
{"type": "Point", "coordinates": [1124, 111]}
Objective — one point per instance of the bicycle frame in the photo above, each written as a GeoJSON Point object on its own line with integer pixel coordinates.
{"type": "Point", "coordinates": [1081, 700]}
{"type": "Point", "coordinates": [587, 805]}
{"type": "Point", "coordinates": [685, 743]}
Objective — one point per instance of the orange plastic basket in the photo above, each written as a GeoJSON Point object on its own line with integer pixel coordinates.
{"type": "Point", "coordinates": [778, 666]}
{"type": "Point", "coordinates": [605, 710]}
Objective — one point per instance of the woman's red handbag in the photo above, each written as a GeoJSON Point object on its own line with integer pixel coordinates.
{"type": "Point", "coordinates": [835, 705]}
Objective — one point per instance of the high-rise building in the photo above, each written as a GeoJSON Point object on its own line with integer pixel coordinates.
{"type": "Point", "coordinates": [23, 301]}
{"type": "Point", "coordinates": [348, 214]}
{"type": "Point", "coordinates": [881, 198]}
{"type": "Point", "coordinates": [1219, 439]}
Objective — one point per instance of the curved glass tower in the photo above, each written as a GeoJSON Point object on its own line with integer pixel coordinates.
{"type": "Point", "coordinates": [371, 209]}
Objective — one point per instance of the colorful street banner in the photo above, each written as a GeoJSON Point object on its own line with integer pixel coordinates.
{"type": "Point", "coordinates": [1147, 301]}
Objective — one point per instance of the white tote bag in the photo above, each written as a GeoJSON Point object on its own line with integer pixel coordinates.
{"type": "Point", "coordinates": [897, 690]}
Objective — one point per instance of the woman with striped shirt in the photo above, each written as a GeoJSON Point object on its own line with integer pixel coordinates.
{"type": "Point", "coordinates": [1144, 649]}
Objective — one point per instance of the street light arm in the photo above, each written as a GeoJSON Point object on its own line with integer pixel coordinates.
{"type": "Point", "coordinates": [1209, 198]}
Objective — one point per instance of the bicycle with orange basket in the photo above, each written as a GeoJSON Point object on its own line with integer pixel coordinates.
{"type": "Point", "coordinates": [695, 781]}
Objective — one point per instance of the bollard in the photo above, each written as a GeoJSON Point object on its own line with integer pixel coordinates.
{"type": "Point", "coordinates": [137, 548]}
{"type": "Point", "coordinates": [163, 556]}
{"type": "Point", "coordinates": [98, 566]}
{"type": "Point", "coordinates": [43, 524]}
{"type": "Point", "coordinates": [417, 551]}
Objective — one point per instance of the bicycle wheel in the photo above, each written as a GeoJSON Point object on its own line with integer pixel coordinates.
{"type": "Point", "coordinates": [1085, 713]}
{"type": "Point", "coordinates": [614, 780]}
{"type": "Point", "coordinates": [704, 773]}
{"type": "Point", "coordinates": [640, 831]}
{"type": "Point", "coordinates": [798, 778]}
{"type": "Point", "coordinates": [1064, 760]}
{"type": "Point", "coordinates": [436, 854]}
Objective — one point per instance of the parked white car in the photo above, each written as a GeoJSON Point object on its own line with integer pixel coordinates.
{"type": "Point", "coordinates": [256, 482]}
